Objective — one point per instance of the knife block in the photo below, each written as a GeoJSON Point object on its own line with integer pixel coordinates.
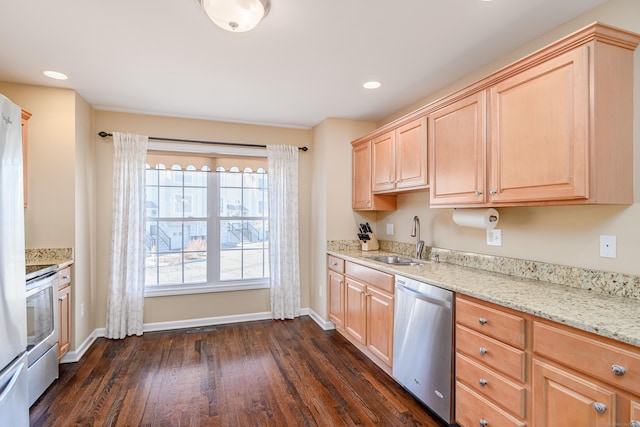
{"type": "Point", "coordinates": [371, 244]}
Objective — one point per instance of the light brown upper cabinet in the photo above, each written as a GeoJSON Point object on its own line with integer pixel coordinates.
{"type": "Point", "coordinates": [362, 195]}
{"type": "Point", "coordinates": [400, 158]}
{"type": "Point", "coordinates": [553, 128]}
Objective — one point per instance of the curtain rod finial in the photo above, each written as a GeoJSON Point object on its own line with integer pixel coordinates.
{"type": "Point", "coordinates": [104, 134]}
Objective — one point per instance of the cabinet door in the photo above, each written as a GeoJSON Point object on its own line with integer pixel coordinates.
{"type": "Point", "coordinates": [457, 139]}
{"type": "Point", "coordinates": [635, 413]}
{"type": "Point", "coordinates": [562, 399]}
{"type": "Point", "coordinates": [355, 310]}
{"type": "Point", "coordinates": [361, 178]}
{"type": "Point", "coordinates": [540, 132]}
{"type": "Point", "coordinates": [64, 318]}
{"type": "Point", "coordinates": [384, 160]}
{"type": "Point", "coordinates": [411, 155]}
{"type": "Point", "coordinates": [336, 297]}
{"type": "Point", "coordinates": [380, 324]}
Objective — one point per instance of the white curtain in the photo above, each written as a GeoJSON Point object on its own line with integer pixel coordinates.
{"type": "Point", "coordinates": [284, 263]}
{"type": "Point", "coordinates": [126, 276]}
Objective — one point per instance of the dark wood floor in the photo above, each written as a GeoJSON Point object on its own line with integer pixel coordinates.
{"type": "Point", "coordinates": [265, 373]}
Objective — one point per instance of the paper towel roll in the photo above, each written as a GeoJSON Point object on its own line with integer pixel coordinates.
{"type": "Point", "coordinates": [476, 218]}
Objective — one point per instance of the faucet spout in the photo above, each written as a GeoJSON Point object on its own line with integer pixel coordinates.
{"type": "Point", "coordinates": [415, 232]}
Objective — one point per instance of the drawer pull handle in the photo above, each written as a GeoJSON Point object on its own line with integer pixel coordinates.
{"type": "Point", "coordinates": [482, 321]}
{"type": "Point", "coordinates": [483, 382]}
{"type": "Point", "coordinates": [65, 277]}
{"type": "Point", "coordinates": [483, 351]}
{"type": "Point", "coordinates": [618, 370]}
{"type": "Point", "coordinates": [484, 423]}
{"type": "Point", "coordinates": [635, 423]}
{"type": "Point", "coordinates": [600, 408]}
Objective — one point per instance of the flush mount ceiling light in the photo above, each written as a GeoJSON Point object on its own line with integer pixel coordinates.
{"type": "Point", "coordinates": [55, 75]}
{"type": "Point", "coordinates": [236, 16]}
{"type": "Point", "coordinates": [372, 85]}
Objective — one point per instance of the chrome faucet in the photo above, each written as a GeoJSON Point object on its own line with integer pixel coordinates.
{"type": "Point", "coordinates": [415, 232]}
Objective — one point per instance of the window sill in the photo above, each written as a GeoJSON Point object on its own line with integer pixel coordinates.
{"type": "Point", "coordinates": [169, 290]}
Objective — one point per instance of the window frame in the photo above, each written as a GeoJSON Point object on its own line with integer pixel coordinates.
{"type": "Point", "coordinates": [214, 251]}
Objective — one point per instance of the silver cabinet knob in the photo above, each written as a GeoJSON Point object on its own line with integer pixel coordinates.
{"type": "Point", "coordinates": [482, 321]}
{"type": "Point", "coordinates": [484, 423]}
{"type": "Point", "coordinates": [483, 351]}
{"type": "Point", "coordinates": [618, 370]}
{"type": "Point", "coordinates": [492, 192]}
{"type": "Point", "coordinates": [478, 192]}
{"type": "Point", "coordinates": [600, 408]}
{"type": "Point", "coordinates": [635, 423]}
{"type": "Point", "coordinates": [367, 201]}
{"type": "Point", "coordinates": [483, 382]}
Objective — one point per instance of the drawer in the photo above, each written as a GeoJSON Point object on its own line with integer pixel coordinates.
{"type": "Point", "coordinates": [371, 276]}
{"type": "Point", "coordinates": [490, 385]}
{"type": "Point", "coordinates": [491, 321]}
{"type": "Point", "coordinates": [588, 354]}
{"type": "Point", "coordinates": [64, 277]}
{"type": "Point", "coordinates": [336, 264]}
{"type": "Point", "coordinates": [472, 410]}
{"type": "Point", "coordinates": [491, 352]}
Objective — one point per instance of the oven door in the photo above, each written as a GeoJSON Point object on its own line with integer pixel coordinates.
{"type": "Point", "coordinates": [42, 313]}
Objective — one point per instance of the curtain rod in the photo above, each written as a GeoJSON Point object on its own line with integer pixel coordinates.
{"type": "Point", "coordinates": [104, 134]}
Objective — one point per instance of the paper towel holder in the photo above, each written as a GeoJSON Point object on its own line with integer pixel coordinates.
{"type": "Point", "coordinates": [476, 217]}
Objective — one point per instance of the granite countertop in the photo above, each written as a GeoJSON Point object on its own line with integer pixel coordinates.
{"type": "Point", "coordinates": [63, 257]}
{"type": "Point", "coordinates": [610, 316]}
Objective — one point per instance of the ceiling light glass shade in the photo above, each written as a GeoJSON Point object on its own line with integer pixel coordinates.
{"type": "Point", "coordinates": [236, 15]}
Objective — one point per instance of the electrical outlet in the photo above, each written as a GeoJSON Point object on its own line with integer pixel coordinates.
{"type": "Point", "coordinates": [390, 229]}
{"type": "Point", "coordinates": [320, 291]}
{"type": "Point", "coordinates": [494, 237]}
{"type": "Point", "coordinates": [81, 309]}
{"type": "Point", "coordinates": [608, 246]}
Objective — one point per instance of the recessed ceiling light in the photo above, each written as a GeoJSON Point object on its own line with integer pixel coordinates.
{"type": "Point", "coordinates": [55, 75]}
{"type": "Point", "coordinates": [372, 85]}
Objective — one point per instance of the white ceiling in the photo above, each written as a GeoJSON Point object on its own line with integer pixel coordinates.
{"type": "Point", "coordinates": [305, 62]}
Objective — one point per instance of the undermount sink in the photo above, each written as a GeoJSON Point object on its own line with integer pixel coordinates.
{"type": "Point", "coordinates": [395, 260]}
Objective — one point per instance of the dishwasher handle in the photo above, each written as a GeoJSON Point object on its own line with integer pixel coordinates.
{"type": "Point", "coordinates": [423, 297]}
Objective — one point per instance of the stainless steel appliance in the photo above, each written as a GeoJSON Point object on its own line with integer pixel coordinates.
{"type": "Point", "coordinates": [422, 344]}
{"type": "Point", "coordinates": [42, 335]}
{"type": "Point", "coordinates": [14, 405]}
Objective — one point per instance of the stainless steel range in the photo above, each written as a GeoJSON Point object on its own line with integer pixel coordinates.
{"type": "Point", "coordinates": [42, 334]}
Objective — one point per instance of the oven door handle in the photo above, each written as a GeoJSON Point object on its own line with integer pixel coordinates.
{"type": "Point", "coordinates": [39, 285]}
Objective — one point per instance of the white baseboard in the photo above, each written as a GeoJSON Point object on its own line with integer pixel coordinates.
{"type": "Point", "coordinates": [76, 355]}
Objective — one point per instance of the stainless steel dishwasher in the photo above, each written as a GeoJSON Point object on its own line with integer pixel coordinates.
{"type": "Point", "coordinates": [422, 343]}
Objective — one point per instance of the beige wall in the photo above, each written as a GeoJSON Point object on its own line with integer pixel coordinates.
{"type": "Point", "coordinates": [566, 235]}
{"type": "Point", "coordinates": [331, 216]}
{"type": "Point", "coordinates": [61, 208]}
{"type": "Point", "coordinates": [186, 307]}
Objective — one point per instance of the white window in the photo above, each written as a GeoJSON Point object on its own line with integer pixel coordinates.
{"type": "Point", "coordinates": [205, 231]}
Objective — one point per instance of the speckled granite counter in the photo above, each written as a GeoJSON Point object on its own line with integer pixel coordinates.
{"type": "Point", "coordinates": [61, 256]}
{"type": "Point", "coordinates": [611, 316]}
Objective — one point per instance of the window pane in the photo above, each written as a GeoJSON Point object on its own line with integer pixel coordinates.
{"type": "Point", "coordinates": [253, 264]}
{"type": "Point", "coordinates": [230, 265]}
{"type": "Point", "coordinates": [195, 202]}
{"type": "Point", "coordinates": [151, 202]}
{"type": "Point", "coordinates": [195, 267]}
{"type": "Point", "coordinates": [150, 269]}
{"type": "Point", "coordinates": [253, 201]}
{"type": "Point", "coordinates": [230, 234]}
{"type": "Point", "coordinates": [170, 201]}
{"type": "Point", "coordinates": [230, 202]}
{"type": "Point", "coordinates": [230, 179]}
{"type": "Point", "coordinates": [170, 268]}
{"type": "Point", "coordinates": [169, 236]}
{"type": "Point", "coordinates": [254, 234]}
{"type": "Point", "coordinates": [170, 177]}
{"type": "Point", "coordinates": [195, 236]}
{"type": "Point", "coordinates": [195, 179]}
{"type": "Point", "coordinates": [151, 177]}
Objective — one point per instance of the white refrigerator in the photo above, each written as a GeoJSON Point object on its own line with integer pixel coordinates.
{"type": "Point", "coordinates": [14, 403]}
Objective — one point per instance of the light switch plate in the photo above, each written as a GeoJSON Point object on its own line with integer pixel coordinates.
{"type": "Point", "coordinates": [494, 237]}
{"type": "Point", "coordinates": [390, 229]}
{"type": "Point", "coordinates": [608, 246]}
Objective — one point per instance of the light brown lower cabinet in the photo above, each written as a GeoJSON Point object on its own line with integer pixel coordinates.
{"type": "Point", "coordinates": [514, 369]}
{"type": "Point", "coordinates": [64, 311]}
{"type": "Point", "coordinates": [361, 306]}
